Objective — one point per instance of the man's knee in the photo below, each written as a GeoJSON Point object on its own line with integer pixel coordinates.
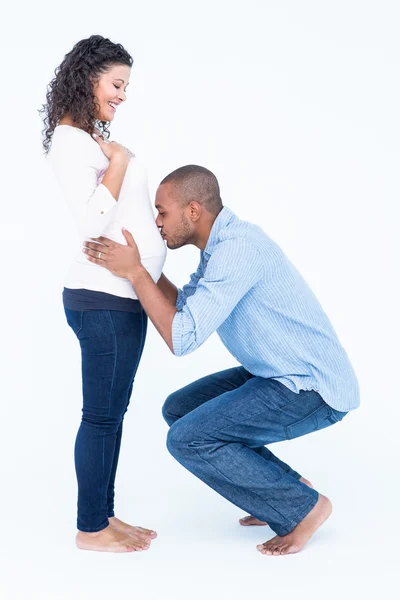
{"type": "Point", "coordinates": [170, 409]}
{"type": "Point", "coordinates": [174, 441]}
{"type": "Point", "coordinates": [182, 438]}
{"type": "Point", "coordinates": [186, 438]}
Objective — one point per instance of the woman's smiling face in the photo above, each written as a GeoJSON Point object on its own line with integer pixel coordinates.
{"type": "Point", "coordinates": [110, 90]}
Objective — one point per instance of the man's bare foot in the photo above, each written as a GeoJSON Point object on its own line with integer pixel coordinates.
{"type": "Point", "coordinates": [110, 540]}
{"type": "Point", "coordinates": [249, 520]}
{"type": "Point", "coordinates": [131, 530]}
{"type": "Point", "coordinates": [294, 541]}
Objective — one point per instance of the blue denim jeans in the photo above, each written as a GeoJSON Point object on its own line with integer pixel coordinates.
{"type": "Point", "coordinates": [219, 426]}
{"type": "Point", "coordinates": [111, 344]}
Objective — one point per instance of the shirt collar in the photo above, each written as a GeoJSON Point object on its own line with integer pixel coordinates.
{"type": "Point", "coordinates": [225, 216]}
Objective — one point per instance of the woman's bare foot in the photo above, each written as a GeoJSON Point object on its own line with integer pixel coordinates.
{"type": "Point", "coordinates": [249, 520]}
{"type": "Point", "coordinates": [294, 541]}
{"type": "Point", "coordinates": [110, 540]}
{"type": "Point", "coordinates": [131, 530]}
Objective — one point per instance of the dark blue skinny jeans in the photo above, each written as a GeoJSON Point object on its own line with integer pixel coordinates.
{"type": "Point", "coordinates": [111, 344]}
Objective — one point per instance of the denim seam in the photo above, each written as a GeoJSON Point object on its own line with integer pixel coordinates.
{"type": "Point", "coordinates": [115, 361]}
{"type": "Point", "coordinates": [81, 327]}
{"type": "Point", "coordinates": [104, 490]}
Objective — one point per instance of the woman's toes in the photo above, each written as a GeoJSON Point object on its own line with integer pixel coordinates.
{"type": "Point", "coordinates": [147, 532]}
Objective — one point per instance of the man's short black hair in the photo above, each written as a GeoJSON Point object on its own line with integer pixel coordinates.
{"type": "Point", "coordinates": [193, 183]}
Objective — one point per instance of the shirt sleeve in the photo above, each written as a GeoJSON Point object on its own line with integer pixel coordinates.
{"type": "Point", "coordinates": [234, 267]}
{"type": "Point", "coordinates": [190, 288]}
{"type": "Point", "coordinates": [78, 177]}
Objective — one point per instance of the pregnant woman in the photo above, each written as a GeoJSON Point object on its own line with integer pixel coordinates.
{"type": "Point", "coordinates": [105, 190]}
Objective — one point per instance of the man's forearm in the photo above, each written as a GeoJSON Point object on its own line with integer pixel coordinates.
{"type": "Point", "coordinates": [169, 290]}
{"type": "Point", "coordinates": [158, 308]}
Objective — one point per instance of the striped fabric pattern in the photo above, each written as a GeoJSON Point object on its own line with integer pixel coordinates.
{"type": "Point", "coordinates": [247, 290]}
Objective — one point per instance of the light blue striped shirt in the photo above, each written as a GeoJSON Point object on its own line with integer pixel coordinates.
{"type": "Point", "coordinates": [247, 290]}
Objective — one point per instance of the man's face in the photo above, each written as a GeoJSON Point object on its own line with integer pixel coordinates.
{"type": "Point", "coordinates": [175, 227]}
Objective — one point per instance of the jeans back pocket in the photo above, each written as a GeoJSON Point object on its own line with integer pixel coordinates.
{"type": "Point", "coordinates": [323, 417]}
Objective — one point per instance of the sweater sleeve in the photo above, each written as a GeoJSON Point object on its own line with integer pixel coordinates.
{"type": "Point", "coordinates": [74, 164]}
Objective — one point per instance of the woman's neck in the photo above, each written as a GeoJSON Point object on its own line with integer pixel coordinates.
{"type": "Point", "coordinates": [67, 120]}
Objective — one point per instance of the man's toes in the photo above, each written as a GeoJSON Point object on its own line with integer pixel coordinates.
{"type": "Point", "coordinates": [246, 520]}
{"type": "Point", "coordinates": [264, 549]}
{"type": "Point", "coordinates": [250, 520]}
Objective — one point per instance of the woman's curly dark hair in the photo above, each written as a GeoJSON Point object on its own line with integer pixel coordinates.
{"type": "Point", "coordinates": [72, 91]}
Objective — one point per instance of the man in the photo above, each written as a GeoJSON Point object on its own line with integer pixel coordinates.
{"type": "Point", "coordinates": [295, 376]}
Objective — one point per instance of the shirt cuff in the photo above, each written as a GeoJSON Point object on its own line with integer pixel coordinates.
{"type": "Point", "coordinates": [101, 202]}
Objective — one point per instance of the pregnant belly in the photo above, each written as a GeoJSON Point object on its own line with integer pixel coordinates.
{"type": "Point", "coordinates": [147, 237]}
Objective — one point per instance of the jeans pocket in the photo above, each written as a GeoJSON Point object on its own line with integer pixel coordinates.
{"type": "Point", "coordinates": [75, 320]}
{"type": "Point", "coordinates": [336, 415]}
{"type": "Point", "coordinates": [319, 419]}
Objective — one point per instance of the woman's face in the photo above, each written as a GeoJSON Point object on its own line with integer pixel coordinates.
{"type": "Point", "coordinates": [110, 90]}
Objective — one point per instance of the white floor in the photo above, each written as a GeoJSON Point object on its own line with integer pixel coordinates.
{"type": "Point", "coordinates": [201, 551]}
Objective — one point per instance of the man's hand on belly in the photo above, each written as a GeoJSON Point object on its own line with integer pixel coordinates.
{"type": "Point", "coordinates": [123, 261]}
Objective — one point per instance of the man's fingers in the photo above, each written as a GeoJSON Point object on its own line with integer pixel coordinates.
{"type": "Point", "coordinates": [97, 254]}
{"type": "Point", "coordinates": [96, 246]}
{"type": "Point", "coordinates": [128, 236]}
{"type": "Point", "coordinates": [96, 261]}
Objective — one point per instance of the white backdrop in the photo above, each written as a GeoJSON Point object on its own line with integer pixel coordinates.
{"type": "Point", "coordinates": [295, 107]}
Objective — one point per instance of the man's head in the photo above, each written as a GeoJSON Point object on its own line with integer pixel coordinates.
{"type": "Point", "coordinates": [188, 202]}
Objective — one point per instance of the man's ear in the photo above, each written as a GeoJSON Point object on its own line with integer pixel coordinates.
{"type": "Point", "coordinates": [195, 210]}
